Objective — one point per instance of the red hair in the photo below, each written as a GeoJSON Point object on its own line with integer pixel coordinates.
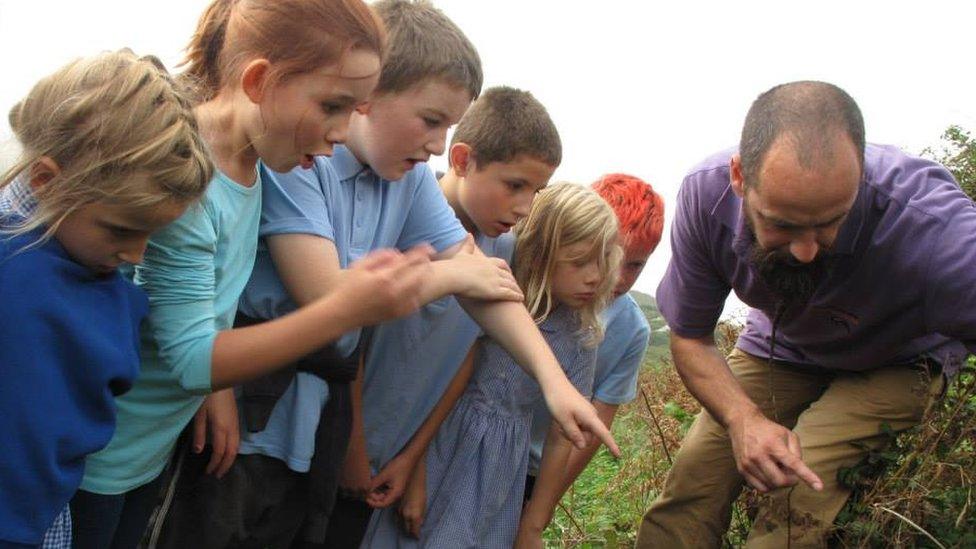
{"type": "Point", "coordinates": [639, 210]}
{"type": "Point", "coordinates": [296, 36]}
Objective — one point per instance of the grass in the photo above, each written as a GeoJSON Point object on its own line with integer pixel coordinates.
{"type": "Point", "coordinates": [916, 492]}
{"type": "Point", "coordinates": [607, 502]}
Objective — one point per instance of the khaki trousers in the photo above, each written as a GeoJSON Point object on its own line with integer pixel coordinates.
{"type": "Point", "coordinates": [837, 417]}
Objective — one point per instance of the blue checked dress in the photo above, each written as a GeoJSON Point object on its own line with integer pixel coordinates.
{"type": "Point", "coordinates": [476, 465]}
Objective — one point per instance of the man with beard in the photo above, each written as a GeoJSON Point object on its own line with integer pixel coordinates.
{"type": "Point", "coordinates": [859, 265]}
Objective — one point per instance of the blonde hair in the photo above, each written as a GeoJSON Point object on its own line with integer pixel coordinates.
{"type": "Point", "coordinates": [296, 36]}
{"type": "Point", "coordinates": [112, 123]}
{"type": "Point", "coordinates": [562, 215]}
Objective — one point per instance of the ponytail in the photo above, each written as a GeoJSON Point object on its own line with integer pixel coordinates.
{"type": "Point", "coordinates": [295, 36]}
{"type": "Point", "coordinates": [202, 59]}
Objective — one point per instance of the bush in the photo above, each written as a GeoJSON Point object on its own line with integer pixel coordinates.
{"type": "Point", "coordinates": [918, 491]}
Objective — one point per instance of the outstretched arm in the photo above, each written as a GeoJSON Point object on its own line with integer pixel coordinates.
{"type": "Point", "coordinates": [381, 286]}
{"type": "Point", "coordinates": [510, 325]}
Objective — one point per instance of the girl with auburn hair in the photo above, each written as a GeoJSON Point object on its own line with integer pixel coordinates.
{"type": "Point", "coordinates": [277, 81]}
{"type": "Point", "coordinates": [467, 489]}
{"type": "Point", "coordinates": [110, 154]}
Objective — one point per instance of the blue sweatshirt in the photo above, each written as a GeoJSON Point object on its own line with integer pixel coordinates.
{"type": "Point", "coordinates": [69, 343]}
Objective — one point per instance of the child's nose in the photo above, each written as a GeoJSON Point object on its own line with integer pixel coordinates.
{"type": "Point", "coordinates": [522, 208]}
{"type": "Point", "coordinates": [134, 255]}
{"type": "Point", "coordinates": [593, 275]}
{"type": "Point", "coordinates": [437, 145]}
{"type": "Point", "coordinates": [338, 133]}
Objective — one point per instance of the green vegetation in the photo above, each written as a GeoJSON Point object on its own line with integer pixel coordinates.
{"type": "Point", "coordinates": [958, 153]}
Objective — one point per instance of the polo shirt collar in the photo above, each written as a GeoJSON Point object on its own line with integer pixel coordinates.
{"type": "Point", "coordinates": [345, 163]}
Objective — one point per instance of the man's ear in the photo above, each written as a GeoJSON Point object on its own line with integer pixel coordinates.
{"type": "Point", "coordinates": [736, 178]}
{"type": "Point", "coordinates": [42, 172]}
{"type": "Point", "coordinates": [460, 159]}
{"type": "Point", "coordinates": [254, 79]}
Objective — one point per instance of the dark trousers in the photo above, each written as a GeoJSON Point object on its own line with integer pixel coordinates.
{"type": "Point", "coordinates": [260, 503]}
{"type": "Point", "coordinates": [112, 521]}
{"type": "Point", "coordinates": [348, 523]}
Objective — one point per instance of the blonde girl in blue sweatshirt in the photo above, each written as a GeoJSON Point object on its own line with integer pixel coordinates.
{"type": "Point", "coordinates": [111, 153]}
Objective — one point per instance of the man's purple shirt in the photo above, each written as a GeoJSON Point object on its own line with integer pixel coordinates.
{"type": "Point", "coordinates": [903, 285]}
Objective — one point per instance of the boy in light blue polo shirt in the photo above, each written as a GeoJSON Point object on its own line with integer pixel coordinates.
{"type": "Point", "coordinates": [503, 152]}
{"type": "Point", "coordinates": [375, 192]}
{"type": "Point", "coordinates": [640, 212]}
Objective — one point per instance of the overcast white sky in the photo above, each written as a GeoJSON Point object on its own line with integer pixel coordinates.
{"type": "Point", "coordinates": [642, 87]}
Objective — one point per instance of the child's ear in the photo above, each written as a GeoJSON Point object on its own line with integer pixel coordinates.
{"type": "Point", "coordinates": [43, 171]}
{"type": "Point", "coordinates": [460, 158]}
{"type": "Point", "coordinates": [254, 79]}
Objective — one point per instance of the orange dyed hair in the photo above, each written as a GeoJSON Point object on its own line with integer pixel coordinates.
{"type": "Point", "coordinates": [640, 210]}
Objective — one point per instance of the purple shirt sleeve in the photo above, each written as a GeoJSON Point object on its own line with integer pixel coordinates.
{"type": "Point", "coordinates": [692, 293]}
{"type": "Point", "coordinates": [950, 304]}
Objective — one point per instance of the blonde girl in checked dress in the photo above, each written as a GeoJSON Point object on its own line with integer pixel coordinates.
{"type": "Point", "coordinates": [473, 473]}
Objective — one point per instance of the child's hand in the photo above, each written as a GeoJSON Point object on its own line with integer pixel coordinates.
{"type": "Point", "coordinates": [387, 487]}
{"type": "Point", "coordinates": [385, 284]}
{"type": "Point", "coordinates": [575, 414]}
{"type": "Point", "coordinates": [483, 277]}
{"type": "Point", "coordinates": [414, 501]}
{"type": "Point", "coordinates": [218, 418]}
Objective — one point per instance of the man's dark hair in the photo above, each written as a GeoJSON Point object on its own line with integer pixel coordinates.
{"type": "Point", "coordinates": [810, 113]}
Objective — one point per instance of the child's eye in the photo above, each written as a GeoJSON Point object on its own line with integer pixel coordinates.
{"type": "Point", "coordinates": [515, 186]}
{"type": "Point", "coordinates": [332, 108]}
{"type": "Point", "coordinates": [432, 122]}
{"type": "Point", "coordinates": [121, 232]}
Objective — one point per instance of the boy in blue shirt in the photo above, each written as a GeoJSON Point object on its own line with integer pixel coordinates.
{"type": "Point", "coordinates": [502, 153]}
{"type": "Point", "coordinates": [375, 192]}
{"type": "Point", "coordinates": [640, 212]}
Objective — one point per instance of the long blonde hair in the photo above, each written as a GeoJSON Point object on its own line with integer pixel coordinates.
{"type": "Point", "coordinates": [562, 215]}
{"type": "Point", "coordinates": [110, 122]}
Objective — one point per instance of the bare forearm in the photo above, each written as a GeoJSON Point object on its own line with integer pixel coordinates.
{"type": "Point", "coordinates": [549, 485]}
{"type": "Point", "coordinates": [580, 458]}
{"type": "Point", "coordinates": [243, 354]}
{"type": "Point", "coordinates": [443, 281]}
{"type": "Point", "coordinates": [707, 376]}
{"type": "Point", "coordinates": [356, 450]}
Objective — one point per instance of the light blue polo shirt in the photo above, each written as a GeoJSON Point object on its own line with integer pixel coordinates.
{"type": "Point", "coordinates": [344, 201]}
{"type": "Point", "coordinates": [412, 361]}
{"type": "Point", "coordinates": [618, 361]}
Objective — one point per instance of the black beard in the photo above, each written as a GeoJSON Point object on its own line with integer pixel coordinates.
{"type": "Point", "coordinates": [792, 283]}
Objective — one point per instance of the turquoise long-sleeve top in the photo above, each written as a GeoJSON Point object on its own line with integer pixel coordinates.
{"type": "Point", "coordinates": [194, 271]}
